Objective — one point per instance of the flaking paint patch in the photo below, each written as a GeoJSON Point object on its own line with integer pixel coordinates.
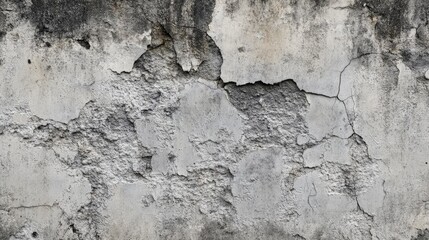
{"type": "Point", "coordinates": [35, 77]}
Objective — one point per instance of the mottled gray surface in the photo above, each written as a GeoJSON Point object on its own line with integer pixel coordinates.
{"type": "Point", "coordinates": [214, 119]}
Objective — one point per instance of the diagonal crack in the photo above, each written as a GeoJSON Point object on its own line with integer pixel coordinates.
{"type": "Point", "coordinates": [348, 64]}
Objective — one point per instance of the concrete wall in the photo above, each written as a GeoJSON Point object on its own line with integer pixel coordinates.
{"type": "Point", "coordinates": [214, 119]}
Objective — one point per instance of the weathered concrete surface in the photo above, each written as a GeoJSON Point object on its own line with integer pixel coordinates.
{"type": "Point", "coordinates": [215, 119]}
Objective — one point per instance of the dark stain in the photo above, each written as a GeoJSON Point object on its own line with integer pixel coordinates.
{"type": "Point", "coordinates": [320, 3]}
{"type": "Point", "coordinates": [421, 14]}
{"type": "Point", "coordinates": [274, 232]}
{"type": "Point", "coordinates": [232, 6]}
{"type": "Point", "coordinates": [73, 228]}
{"type": "Point", "coordinates": [255, 2]}
{"type": "Point", "coordinates": [29, 61]}
{"type": "Point", "coordinates": [186, 22]}
{"type": "Point", "coordinates": [422, 235]}
{"type": "Point", "coordinates": [216, 231]}
{"type": "Point", "coordinates": [60, 17]}
{"type": "Point", "coordinates": [393, 73]}
{"type": "Point", "coordinates": [84, 42]}
{"type": "Point", "coordinates": [416, 59]}
{"type": "Point", "coordinates": [170, 110]}
{"type": "Point", "coordinates": [198, 23]}
{"type": "Point", "coordinates": [176, 13]}
{"type": "Point", "coordinates": [271, 230]}
{"type": "Point", "coordinates": [393, 20]}
{"type": "Point", "coordinates": [202, 13]}
{"type": "Point", "coordinates": [34, 234]}
{"type": "Point", "coordinates": [406, 55]}
{"type": "Point", "coordinates": [392, 16]}
{"type": "Point", "coordinates": [349, 182]}
{"type": "Point", "coordinates": [2, 25]}
{"type": "Point", "coordinates": [64, 18]}
{"type": "Point", "coordinates": [5, 232]}
{"type": "Point", "coordinates": [173, 229]}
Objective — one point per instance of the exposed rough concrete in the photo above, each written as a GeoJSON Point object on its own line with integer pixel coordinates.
{"type": "Point", "coordinates": [215, 119]}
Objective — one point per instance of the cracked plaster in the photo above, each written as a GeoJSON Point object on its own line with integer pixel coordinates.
{"type": "Point", "coordinates": [223, 119]}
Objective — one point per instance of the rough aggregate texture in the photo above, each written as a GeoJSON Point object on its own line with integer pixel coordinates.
{"type": "Point", "coordinates": [214, 119]}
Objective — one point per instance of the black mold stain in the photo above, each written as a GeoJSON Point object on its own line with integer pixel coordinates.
{"type": "Point", "coordinates": [422, 235]}
{"type": "Point", "coordinates": [185, 21]}
{"type": "Point", "coordinates": [414, 58]}
{"type": "Point", "coordinates": [202, 13]}
{"type": "Point", "coordinates": [320, 3]}
{"type": "Point", "coordinates": [202, 16]}
{"type": "Point", "coordinates": [60, 17]}
{"type": "Point", "coordinates": [393, 22]}
{"type": "Point", "coordinates": [392, 16]}
{"type": "Point", "coordinates": [3, 27]}
{"type": "Point", "coordinates": [393, 19]}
